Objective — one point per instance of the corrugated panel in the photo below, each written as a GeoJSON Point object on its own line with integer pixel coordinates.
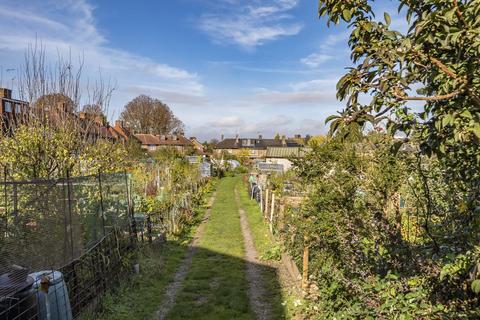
{"type": "Point", "coordinates": [285, 152]}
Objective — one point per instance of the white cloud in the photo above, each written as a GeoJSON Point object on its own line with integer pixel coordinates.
{"type": "Point", "coordinates": [9, 13]}
{"type": "Point", "coordinates": [314, 60]}
{"type": "Point", "coordinates": [328, 50]}
{"type": "Point", "coordinates": [67, 27]}
{"type": "Point", "coordinates": [283, 124]}
{"type": "Point", "coordinates": [313, 126]}
{"type": "Point", "coordinates": [228, 122]}
{"type": "Point", "coordinates": [316, 84]}
{"type": "Point", "coordinates": [251, 24]}
{"type": "Point", "coordinates": [294, 97]}
{"type": "Point", "coordinates": [169, 97]}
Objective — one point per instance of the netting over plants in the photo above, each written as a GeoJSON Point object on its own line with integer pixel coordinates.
{"type": "Point", "coordinates": [46, 223]}
{"type": "Point", "coordinates": [79, 226]}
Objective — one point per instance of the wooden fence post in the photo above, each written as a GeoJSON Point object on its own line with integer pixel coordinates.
{"type": "Point", "coordinates": [281, 214]}
{"type": "Point", "coordinates": [305, 268]}
{"type": "Point", "coordinates": [261, 201]}
{"type": "Point", "coordinates": [266, 205]}
{"type": "Point", "coordinates": [149, 229]}
{"type": "Point", "coordinates": [272, 211]}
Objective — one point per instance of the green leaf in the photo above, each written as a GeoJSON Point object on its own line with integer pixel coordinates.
{"type": "Point", "coordinates": [447, 120]}
{"type": "Point", "coordinates": [441, 148]}
{"type": "Point", "coordinates": [388, 20]}
{"type": "Point", "coordinates": [347, 15]}
{"type": "Point", "coordinates": [367, 26]}
{"type": "Point", "coordinates": [330, 118]}
{"type": "Point", "coordinates": [476, 286]}
{"type": "Point", "coordinates": [476, 130]}
{"type": "Point", "coordinates": [466, 114]}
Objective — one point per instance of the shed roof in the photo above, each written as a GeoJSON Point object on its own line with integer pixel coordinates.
{"type": "Point", "coordinates": [286, 152]}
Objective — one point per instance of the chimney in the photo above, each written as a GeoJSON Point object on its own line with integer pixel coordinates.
{"type": "Point", "coordinates": [119, 123]}
{"type": "Point", "coordinates": [5, 93]}
{"type": "Point", "coordinates": [222, 137]}
{"type": "Point", "coordinates": [260, 137]}
{"type": "Point", "coordinates": [284, 141]}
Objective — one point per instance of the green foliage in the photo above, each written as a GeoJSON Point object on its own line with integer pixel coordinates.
{"type": "Point", "coordinates": [42, 150]}
{"type": "Point", "coordinates": [438, 56]}
{"type": "Point", "coordinates": [274, 253]}
{"type": "Point", "coordinates": [241, 170]}
{"type": "Point", "coordinates": [357, 232]}
{"type": "Point", "coordinates": [362, 243]}
{"type": "Point", "coordinates": [167, 188]}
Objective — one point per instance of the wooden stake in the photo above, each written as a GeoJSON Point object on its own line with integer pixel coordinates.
{"type": "Point", "coordinates": [305, 268]}
{"type": "Point", "coordinates": [266, 204]}
{"type": "Point", "coordinates": [281, 215]}
{"type": "Point", "coordinates": [261, 200]}
{"type": "Point", "coordinates": [272, 211]}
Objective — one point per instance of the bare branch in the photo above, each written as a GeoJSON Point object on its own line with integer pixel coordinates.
{"type": "Point", "coordinates": [432, 98]}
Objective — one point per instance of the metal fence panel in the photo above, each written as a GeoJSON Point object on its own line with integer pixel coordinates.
{"type": "Point", "coordinates": [79, 225]}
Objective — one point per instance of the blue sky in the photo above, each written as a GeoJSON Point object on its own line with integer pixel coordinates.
{"type": "Point", "coordinates": [223, 66]}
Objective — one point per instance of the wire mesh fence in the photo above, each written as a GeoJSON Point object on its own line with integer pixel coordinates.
{"type": "Point", "coordinates": [69, 238]}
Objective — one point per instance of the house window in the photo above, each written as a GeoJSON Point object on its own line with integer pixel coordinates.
{"type": "Point", "coordinates": [18, 108]}
{"type": "Point", "coordinates": [8, 106]}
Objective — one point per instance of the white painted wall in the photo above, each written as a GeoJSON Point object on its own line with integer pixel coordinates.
{"type": "Point", "coordinates": [287, 164]}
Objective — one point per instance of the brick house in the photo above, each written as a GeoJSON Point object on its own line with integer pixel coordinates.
{"type": "Point", "coordinates": [199, 148]}
{"type": "Point", "coordinates": [154, 142]}
{"type": "Point", "coordinates": [12, 111]}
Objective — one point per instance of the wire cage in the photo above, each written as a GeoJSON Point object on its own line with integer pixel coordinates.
{"type": "Point", "coordinates": [77, 229]}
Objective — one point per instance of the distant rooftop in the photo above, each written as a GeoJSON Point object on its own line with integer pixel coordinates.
{"type": "Point", "coordinates": [255, 143]}
{"type": "Point", "coordinates": [286, 152]}
{"type": "Point", "coordinates": [166, 140]}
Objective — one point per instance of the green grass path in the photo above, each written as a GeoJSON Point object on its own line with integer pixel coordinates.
{"type": "Point", "coordinates": [216, 286]}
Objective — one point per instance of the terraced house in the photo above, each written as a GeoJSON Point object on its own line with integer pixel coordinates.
{"type": "Point", "coordinates": [12, 111]}
{"type": "Point", "coordinates": [256, 147]}
{"type": "Point", "coordinates": [153, 142]}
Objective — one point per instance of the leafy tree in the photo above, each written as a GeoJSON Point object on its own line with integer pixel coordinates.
{"type": "Point", "coordinates": [317, 140]}
{"type": "Point", "coordinates": [436, 62]}
{"type": "Point", "coordinates": [243, 155]}
{"type": "Point", "coordinates": [148, 115]}
{"type": "Point", "coordinates": [210, 145]}
{"type": "Point", "coordinates": [363, 243]}
{"type": "Point", "coordinates": [40, 150]}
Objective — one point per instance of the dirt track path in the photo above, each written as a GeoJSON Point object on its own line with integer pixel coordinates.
{"type": "Point", "coordinates": [257, 292]}
{"type": "Point", "coordinates": [168, 299]}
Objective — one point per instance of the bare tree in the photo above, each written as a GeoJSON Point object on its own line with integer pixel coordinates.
{"type": "Point", "coordinates": [148, 115]}
{"type": "Point", "coordinates": [54, 93]}
{"type": "Point", "coordinates": [93, 109]}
